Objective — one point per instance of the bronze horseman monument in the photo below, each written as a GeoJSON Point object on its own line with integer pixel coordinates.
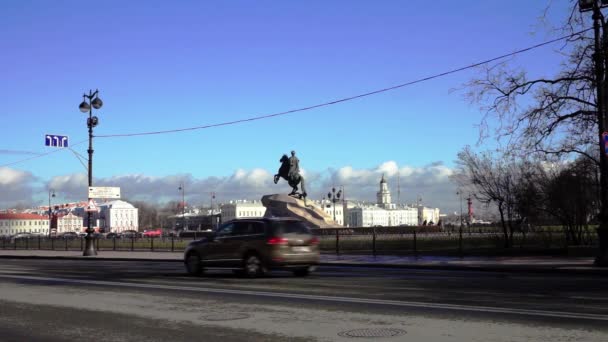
{"type": "Point", "coordinates": [294, 204]}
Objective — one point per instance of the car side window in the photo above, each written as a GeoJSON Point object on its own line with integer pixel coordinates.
{"type": "Point", "coordinates": [242, 228]}
{"type": "Point", "coordinates": [225, 230]}
{"type": "Point", "coordinates": [257, 228]}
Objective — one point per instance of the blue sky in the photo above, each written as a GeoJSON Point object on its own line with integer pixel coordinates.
{"type": "Point", "coordinates": [162, 65]}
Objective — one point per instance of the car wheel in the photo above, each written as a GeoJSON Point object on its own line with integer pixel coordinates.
{"type": "Point", "coordinates": [301, 272]}
{"type": "Point", "coordinates": [193, 265]}
{"type": "Point", "coordinates": [253, 267]}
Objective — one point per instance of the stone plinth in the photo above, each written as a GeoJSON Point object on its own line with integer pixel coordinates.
{"type": "Point", "coordinates": [286, 206]}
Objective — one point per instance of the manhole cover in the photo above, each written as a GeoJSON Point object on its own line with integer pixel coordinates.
{"type": "Point", "coordinates": [226, 316]}
{"type": "Point", "coordinates": [380, 332]}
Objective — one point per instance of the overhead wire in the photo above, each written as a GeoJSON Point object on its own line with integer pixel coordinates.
{"type": "Point", "coordinates": [39, 155]}
{"type": "Point", "coordinates": [350, 98]}
{"type": "Point", "coordinates": [267, 116]}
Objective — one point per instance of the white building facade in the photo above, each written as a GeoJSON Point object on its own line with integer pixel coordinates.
{"type": "Point", "coordinates": [328, 207]}
{"type": "Point", "coordinates": [368, 216]}
{"type": "Point", "coordinates": [404, 216]}
{"type": "Point", "coordinates": [13, 223]}
{"type": "Point", "coordinates": [118, 216]}
{"type": "Point", "coordinates": [242, 209]}
{"type": "Point", "coordinates": [387, 214]}
{"type": "Point", "coordinates": [428, 215]}
{"type": "Point", "coordinates": [69, 223]}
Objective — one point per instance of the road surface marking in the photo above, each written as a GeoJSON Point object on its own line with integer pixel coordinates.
{"type": "Point", "coordinates": [542, 313]}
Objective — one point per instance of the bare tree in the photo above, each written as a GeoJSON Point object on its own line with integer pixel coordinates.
{"type": "Point", "coordinates": [148, 214]}
{"type": "Point", "coordinates": [528, 193]}
{"type": "Point", "coordinates": [548, 115]}
{"type": "Point", "coordinates": [571, 197]}
{"type": "Point", "coordinates": [492, 181]}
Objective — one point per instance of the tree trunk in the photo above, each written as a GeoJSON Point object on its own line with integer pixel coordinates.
{"type": "Point", "coordinates": [504, 225]}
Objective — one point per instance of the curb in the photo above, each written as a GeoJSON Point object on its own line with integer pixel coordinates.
{"type": "Point", "coordinates": [87, 258]}
{"type": "Point", "coordinates": [474, 268]}
{"type": "Point", "coordinates": [495, 268]}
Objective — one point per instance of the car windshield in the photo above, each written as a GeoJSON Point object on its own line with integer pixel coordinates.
{"type": "Point", "coordinates": [290, 227]}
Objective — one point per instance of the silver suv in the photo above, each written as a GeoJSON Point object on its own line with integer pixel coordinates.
{"type": "Point", "coordinates": [254, 246]}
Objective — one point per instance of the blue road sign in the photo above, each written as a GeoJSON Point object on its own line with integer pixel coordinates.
{"type": "Point", "coordinates": [55, 140]}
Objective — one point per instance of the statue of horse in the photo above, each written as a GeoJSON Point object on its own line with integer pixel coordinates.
{"type": "Point", "coordinates": [295, 180]}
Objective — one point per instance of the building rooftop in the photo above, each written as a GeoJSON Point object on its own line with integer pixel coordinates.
{"type": "Point", "coordinates": [22, 216]}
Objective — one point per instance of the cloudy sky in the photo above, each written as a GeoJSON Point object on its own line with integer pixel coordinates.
{"type": "Point", "coordinates": [203, 69]}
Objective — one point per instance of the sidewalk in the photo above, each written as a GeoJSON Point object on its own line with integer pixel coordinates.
{"type": "Point", "coordinates": [493, 264]}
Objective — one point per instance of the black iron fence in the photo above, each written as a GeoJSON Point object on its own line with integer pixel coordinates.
{"type": "Point", "coordinates": [364, 240]}
{"type": "Point", "coordinates": [133, 243]}
{"type": "Point", "coordinates": [427, 240]}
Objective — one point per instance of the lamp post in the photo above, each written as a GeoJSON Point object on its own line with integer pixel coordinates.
{"type": "Point", "coordinates": [93, 102]}
{"type": "Point", "coordinates": [459, 193]}
{"type": "Point", "coordinates": [51, 194]}
{"type": "Point", "coordinates": [344, 206]}
{"type": "Point", "coordinates": [183, 190]}
{"type": "Point", "coordinates": [334, 197]}
{"type": "Point", "coordinates": [469, 213]}
{"type": "Point", "coordinates": [419, 209]}
{"type": "Point", "coordinates": [212, 214]}
{"type": "Point", "coordinates": [600, 63]}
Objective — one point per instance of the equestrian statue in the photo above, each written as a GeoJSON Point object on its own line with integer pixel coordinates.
{"type": "Point", "coordinates": [290, 171]}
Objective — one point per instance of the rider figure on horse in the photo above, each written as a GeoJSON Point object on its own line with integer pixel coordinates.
{"type": "Point", "coordinates": [290, 171]}
{"type": "Point", "coordinates": [294, 166]}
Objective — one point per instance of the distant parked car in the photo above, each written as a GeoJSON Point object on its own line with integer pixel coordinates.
{"type": "Point", "coordinates": [112, 235]}
{"type": "Point", "coordinates": [128, 234]}
{"type": "Point", "coordinates": [153, 233]}
{"type": "Point", "coordinates": [68, 235]}
{"type": "Point", "coordinates": [253, 246]}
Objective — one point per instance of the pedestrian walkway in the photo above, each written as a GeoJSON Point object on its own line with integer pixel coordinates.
{"type": "Point", "coordinates": [537, 264]}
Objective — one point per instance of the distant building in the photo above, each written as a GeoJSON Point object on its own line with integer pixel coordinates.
{"type": "Point", "coordinates": [403, 216]}
{"type": "Point", "coordinates": [242, 209]}
{"type": "Point", "coordinates": [368, 216]}
{"type": "Point", "coordinates": [386, 213]}
{"type": "Point", "coordinates": [383, 196]}
{"type": "Point", "coordinates": [69, 223]}
{"type": "Point", "coordinates": [14, 223]}
{"type": "Point", "coordinates": [195, 221]}
{"type": "Point", "coordinates": [428, 215]}
{"type": "Point", "coordinates": [117, 216]}
{"type": "Point", "coordinates": [328, 208]}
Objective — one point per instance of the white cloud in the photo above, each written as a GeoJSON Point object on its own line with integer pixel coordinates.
{"type": "Point", "coordinates": [16, 188]}
{"type": "Point", "coordinates": [389, 168]}
{"type": "Point", "coordinates": [10, 177]}
{"type": "Point", "coordinates": [431, 182]}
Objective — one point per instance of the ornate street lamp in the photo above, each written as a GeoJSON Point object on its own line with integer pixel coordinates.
{"type": "Point", "coordinates": [51, 194]}
{"type": "Point", "coordinates": [93, 102]}
{"type": "Point", "coordinates": [334, 197]}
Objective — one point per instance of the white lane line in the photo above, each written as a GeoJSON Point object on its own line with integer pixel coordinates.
{"type": "Point", "coordinates": [541, 313]}
{"type": "Point", "coordinates": [588, 298]}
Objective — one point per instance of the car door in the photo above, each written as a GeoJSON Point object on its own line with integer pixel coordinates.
{"type": "Point", "coordinates": [231, 244]}
{"type": "Point", "coordinates": [239, 242]}
{"type": "Point", "coordinates": [216, 251]}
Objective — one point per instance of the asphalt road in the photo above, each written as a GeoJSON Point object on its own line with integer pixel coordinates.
{"type": "Point", "coordinates": [67, 300]}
